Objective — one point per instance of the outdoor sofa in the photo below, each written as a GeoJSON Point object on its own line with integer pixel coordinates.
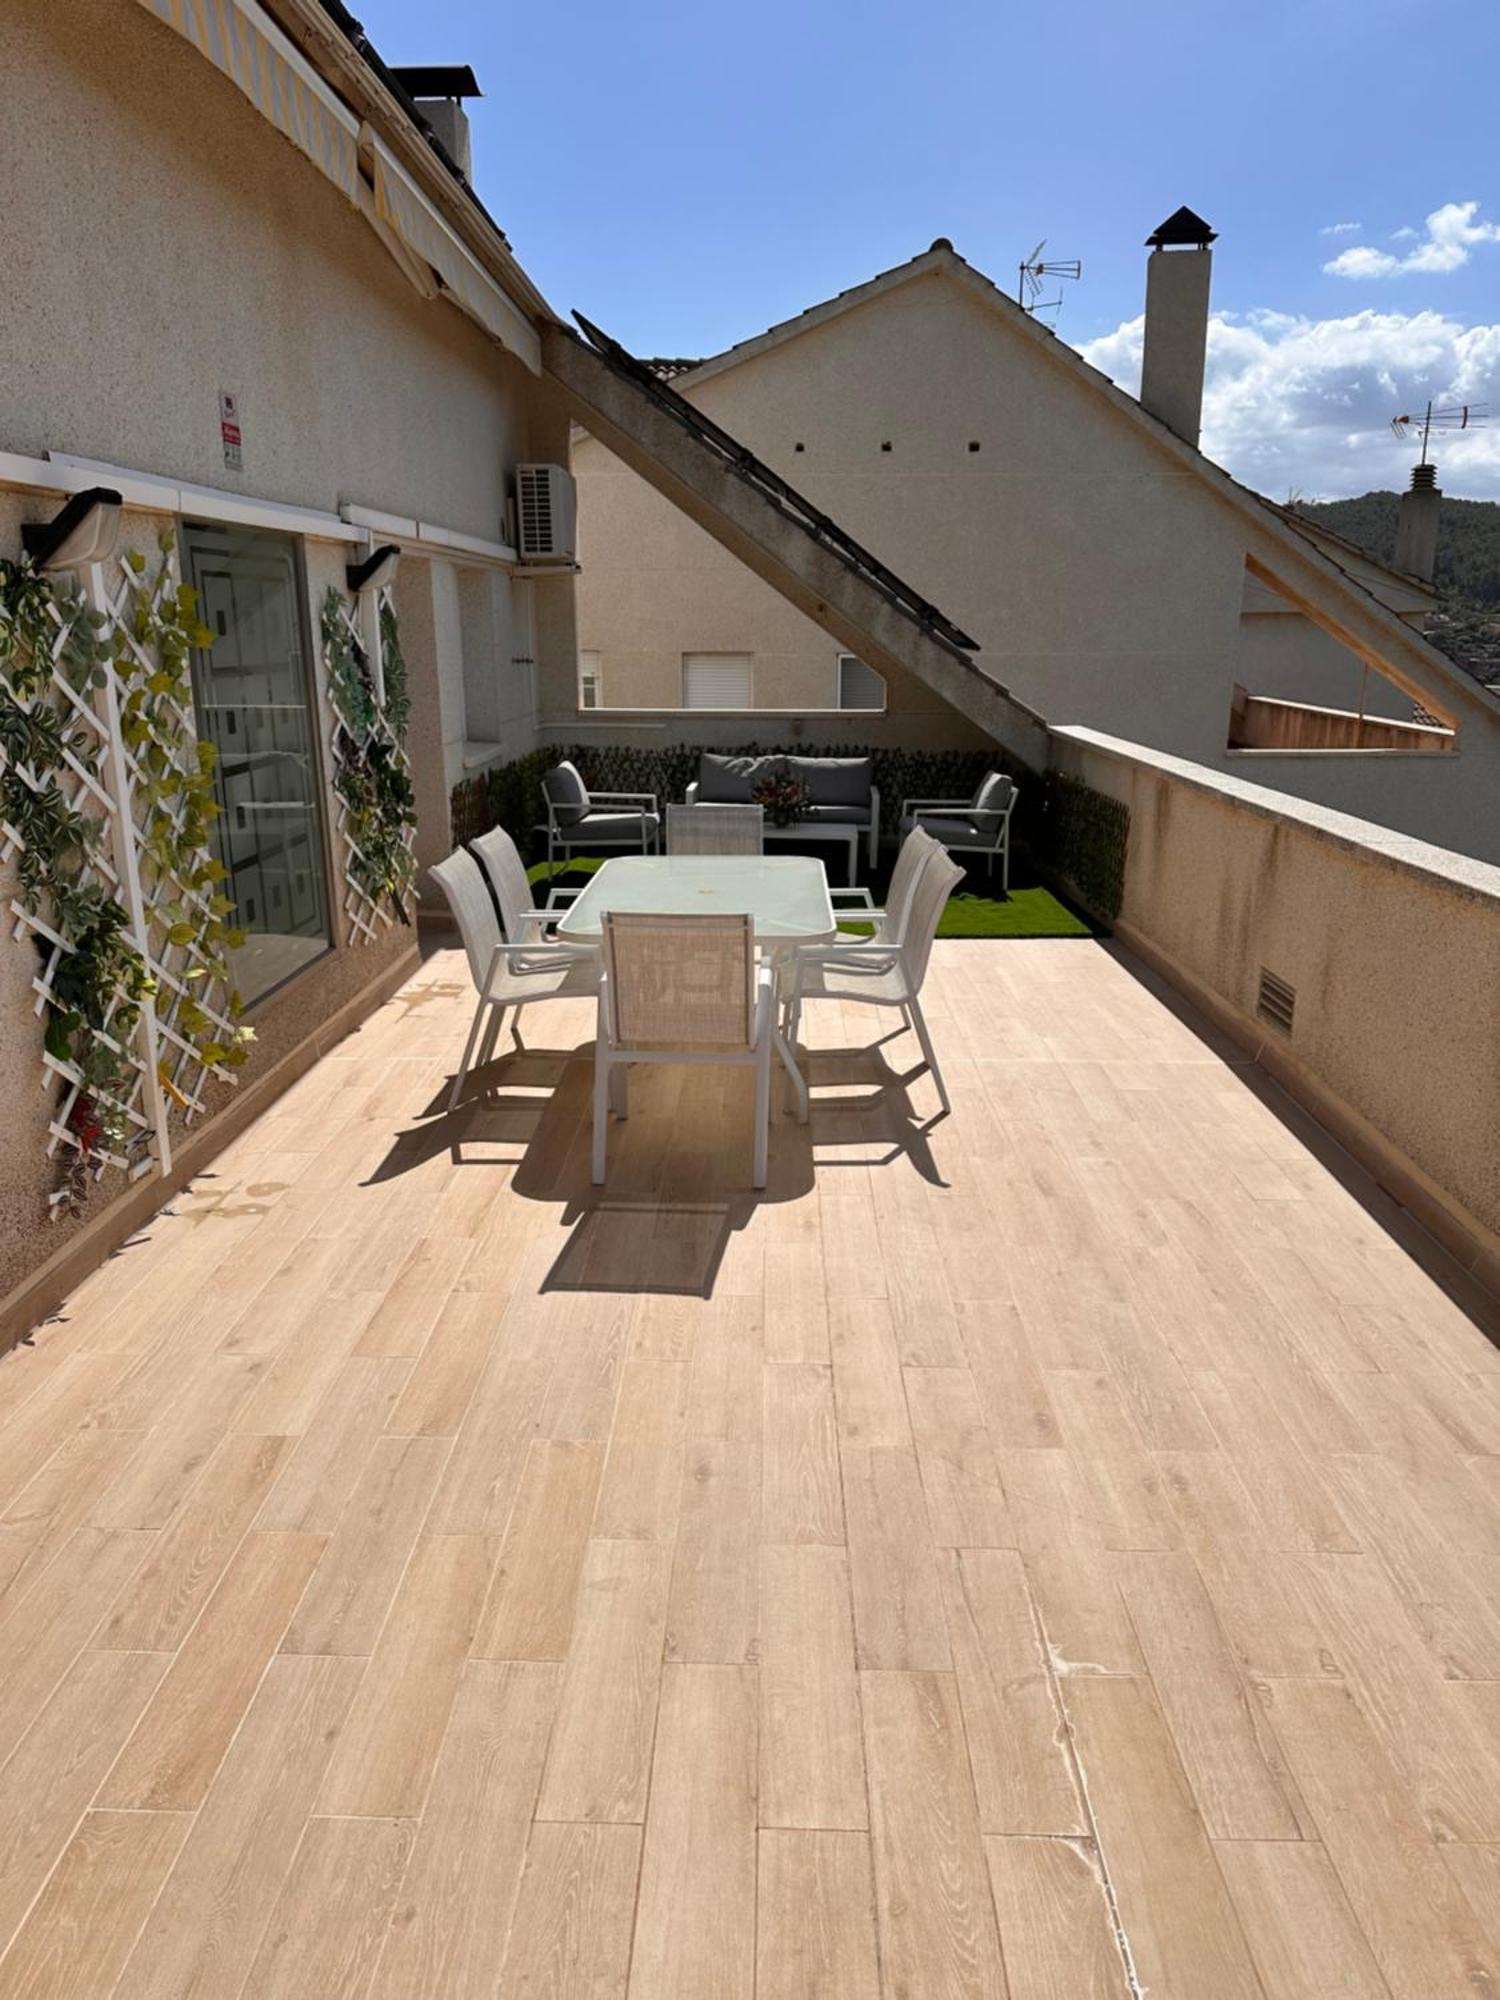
{"type": "Point", "coordinates": [843, 798]}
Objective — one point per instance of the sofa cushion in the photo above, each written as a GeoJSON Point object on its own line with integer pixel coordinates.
{"type": "Point", "coordinates": [834, 781]}
{"type": "Point", "coordinates": [953, 831]}
{"type": "Point", "coordinates": [994, 794]}
{"type": "Point", "coordinates": [567, 794]}
{"type": "Point", "coordinates": [601, 824]}
{"type": "Point", "coordinates": [835, 816]}
{"type": "Point", "coordinates": [729, 781]}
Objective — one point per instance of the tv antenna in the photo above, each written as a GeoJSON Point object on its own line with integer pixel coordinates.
{"type": "Point", "coordinates": [1031, 277]}
{"type": "Point", "coordinates": [1444, 417]}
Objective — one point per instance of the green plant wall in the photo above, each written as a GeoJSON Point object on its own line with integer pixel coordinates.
{"type": "Point", "coordinates": [1082, 836]}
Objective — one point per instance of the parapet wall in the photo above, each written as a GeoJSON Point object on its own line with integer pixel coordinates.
{"type": "Point", "coordinates": [1390, 948]}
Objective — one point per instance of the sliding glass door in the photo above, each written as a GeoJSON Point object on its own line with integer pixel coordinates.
{"type": "Point", "coordinates": [254, 695]}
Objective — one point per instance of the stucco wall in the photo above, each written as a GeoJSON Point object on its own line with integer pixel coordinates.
{"type": "Point", "coordinates": [1392, 946]}
{"type": "Point", "coordinates": [1103, 579]}
{"type": "Point", "coordinates": [163, 242]}
{"type": "Point", "coordinates": [281, 1022]}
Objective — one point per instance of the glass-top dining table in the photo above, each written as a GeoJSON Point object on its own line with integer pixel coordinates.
{"type": "Point", "coordinates": [785, 894]}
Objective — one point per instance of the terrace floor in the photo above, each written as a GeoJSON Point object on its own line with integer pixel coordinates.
{"type": "Point", "coordinates": [1054, 1553]}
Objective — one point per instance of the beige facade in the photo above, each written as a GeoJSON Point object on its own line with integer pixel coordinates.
{"type": "Point", "coordinates": [1100, 563]}
{"type": "Point", "coordinates": [165, 246]}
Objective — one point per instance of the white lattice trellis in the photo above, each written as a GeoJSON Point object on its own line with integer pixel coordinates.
{"type": "Point", "coordinates": [356, 627]}
{"type": "Point", "coordinates": [117, 787]}
{"type": "Point", "coordinates": [187, 984]}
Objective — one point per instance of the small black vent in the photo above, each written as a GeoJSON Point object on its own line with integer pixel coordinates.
{"type": "Point", "coordinates": [1277, 1002]}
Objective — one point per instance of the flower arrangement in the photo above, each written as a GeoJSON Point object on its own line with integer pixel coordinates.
{"type": "Point", "coordinates": [783, 799]}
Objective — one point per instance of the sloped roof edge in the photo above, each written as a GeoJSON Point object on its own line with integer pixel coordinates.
{"type": "Point", "coordinates": [1302, 538]}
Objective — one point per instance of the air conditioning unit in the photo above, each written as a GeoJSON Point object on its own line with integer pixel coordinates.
{"type": "Point", "coordinates": [546, 514]}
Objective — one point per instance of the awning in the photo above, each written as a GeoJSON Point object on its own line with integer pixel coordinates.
{"type": "Point", "coordinates": [246, 44]}
{"type": "Point", "coordinates": [408, 214]}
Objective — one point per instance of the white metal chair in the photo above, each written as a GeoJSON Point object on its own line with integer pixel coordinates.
{"type": "Point", "coordinates": [980, 825]}
{"type": "Point", "coordinates": [505, 974]}
{"type": "Point", "coordinates": [684, 990]}
{"type": "Point", "coordinates": [883, 973]}
{"type": "Point", "coordinates": [714, 829]}
{"type": "Point", "coordinates": [889, 919]}
{"type": "Point", "coordinates": [577, 817]}
{"type": "Point", "coordinates": [520, 918]}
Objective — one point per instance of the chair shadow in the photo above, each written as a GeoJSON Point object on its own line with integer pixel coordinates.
{"type": "Point", "coordinates": [667, 1217]}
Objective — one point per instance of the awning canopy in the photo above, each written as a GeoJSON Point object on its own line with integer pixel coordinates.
{"type": "Point", "coordinates": [240, 38]}
{"type": "Point", "coordinates": [246, 44]}
{"type": "Point", "coordinates": [408, 214]}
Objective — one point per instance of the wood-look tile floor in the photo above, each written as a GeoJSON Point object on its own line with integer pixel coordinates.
{"type": "Point", "coordinates": [1055, 1553]}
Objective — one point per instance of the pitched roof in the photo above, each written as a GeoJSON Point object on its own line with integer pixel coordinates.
{"type": "Point", "coordinates": [943, 259]}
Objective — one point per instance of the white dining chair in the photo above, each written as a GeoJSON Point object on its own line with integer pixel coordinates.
{"type": "Point", "coordinates": [685, 990]}
{"type": "Point", "coordinates": [882, 972]}
{"type": "Point", "coordinates": [714, 829]}
{"type": "Point", "coordinates": [888, 918]}
{"type": "Point", "coordinates": [520, 917]}
{"type": "Point", "coordinates": [505, 974]}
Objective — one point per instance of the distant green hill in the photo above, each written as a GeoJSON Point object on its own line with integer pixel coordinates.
{"type": "Point", "coordinates": [1468, 559]}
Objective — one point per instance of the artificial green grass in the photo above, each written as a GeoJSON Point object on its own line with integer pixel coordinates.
{"type": "Point", "coordinates": [1029, 911]}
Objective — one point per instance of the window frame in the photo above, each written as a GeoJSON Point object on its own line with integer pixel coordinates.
{"type": "Point", "coordinates": [313, 675]}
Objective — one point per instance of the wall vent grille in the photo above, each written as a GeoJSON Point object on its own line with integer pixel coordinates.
{"type": "Point", "coordinates": [1277, 1001]}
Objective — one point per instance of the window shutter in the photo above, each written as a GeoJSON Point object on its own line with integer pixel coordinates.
{"type": "Point", "coordinates": [859, 686]}
{"type": "Point", "coordinates": [716, 680]}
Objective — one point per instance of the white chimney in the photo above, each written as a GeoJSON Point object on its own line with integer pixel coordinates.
{"type": "Point", "coordinates": [1177, 281]}
{"type": "Point", "coordinates": [438, 90]}
{"type": "Point", "coordinates": [1417, 524]}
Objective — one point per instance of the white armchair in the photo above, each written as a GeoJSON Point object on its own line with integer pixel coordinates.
{"type": "Point", "coordinates": [577, 817]}
{"type": "Point", "coordinates": [979, 825]}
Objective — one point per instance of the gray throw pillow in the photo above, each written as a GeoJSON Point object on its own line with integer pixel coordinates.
{"type": "Point", "coordinates": [567, 793]}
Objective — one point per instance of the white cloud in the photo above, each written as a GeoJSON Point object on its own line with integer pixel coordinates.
{"type": "Point", "coordinates": [1451, 234]}
{"type": "Point", "coordinates": [1341, 229]}
{"type": "Point", "coordinates": [1300, 404]}
{"type": "Point", "coordinates": [1405, 234]}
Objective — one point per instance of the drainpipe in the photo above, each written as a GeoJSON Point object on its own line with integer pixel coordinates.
{"type": "Point", "coordinates": [1177, 282]}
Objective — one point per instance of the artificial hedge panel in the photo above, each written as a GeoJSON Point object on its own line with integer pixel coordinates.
{"type": "Point", "coordinates": [510, 795]}
{"type": "Point", "coordinates": [1082, 835]}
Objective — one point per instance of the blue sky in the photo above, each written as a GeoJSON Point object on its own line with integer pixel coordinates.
{"type": "Point", "coordinates": [704, 172]}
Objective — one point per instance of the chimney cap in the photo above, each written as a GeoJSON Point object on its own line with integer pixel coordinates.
{"type": "Point", "coordinates": [1181, 230]}
{"type": "Point", "coordinates": [940, 243]}
{"type": "Point", "coordinates": [437, 80]}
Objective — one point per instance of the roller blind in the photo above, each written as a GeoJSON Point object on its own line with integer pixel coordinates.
{"type": "Point", "coordinates": [716, 680]}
